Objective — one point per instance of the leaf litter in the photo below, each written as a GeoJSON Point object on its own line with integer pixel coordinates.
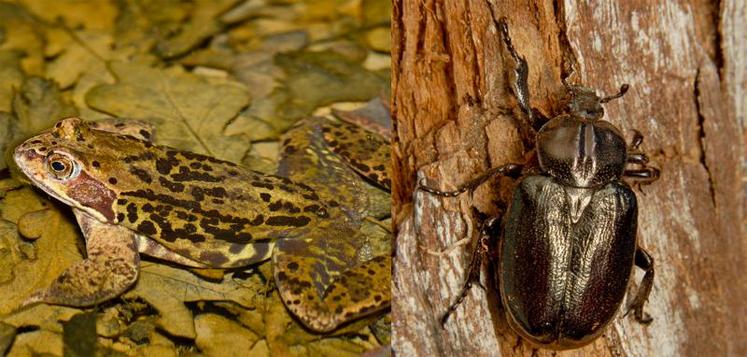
{"type": "Point", "coordinates": [225, 78]}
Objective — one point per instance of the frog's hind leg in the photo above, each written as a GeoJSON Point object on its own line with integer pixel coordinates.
{"type": "Point", "coordinates": [110, 268]}
{"type": "Point", "coordinates": [325, 292]}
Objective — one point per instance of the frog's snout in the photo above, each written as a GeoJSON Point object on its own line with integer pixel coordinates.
{"type": "Point", "coordinates": [24, 153]}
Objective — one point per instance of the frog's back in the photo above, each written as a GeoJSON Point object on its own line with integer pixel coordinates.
{"type": "Point", "coordinates": [208, 210]}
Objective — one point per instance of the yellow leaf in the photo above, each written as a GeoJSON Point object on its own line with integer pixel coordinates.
{"type": "Point", "coordinates": [191, 113]}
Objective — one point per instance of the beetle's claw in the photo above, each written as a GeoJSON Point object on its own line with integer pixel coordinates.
{"type": "Point", "coordinates": [639, 315]}
{"type": "Point", "coordinates": [642, 317]}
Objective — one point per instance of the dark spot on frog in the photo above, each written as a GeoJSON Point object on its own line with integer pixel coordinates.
{"type": "Point", "coordinates": [119, 125]}
{"type": "Point", "coordinates": [371, 272]}
{"type": "Point", "coordinates": [145, 134]}
{"type": "Point", "coordinates": [185, 174]}
{"type": "Point", "coordinates": [360, 166]}
{"type": "Point", "coordinates": [234, 234]}
{"type": "Point", "coordinates": [171, 186]}
{"type": "Point", "coordinates": [197, 193]}
{"type": "Point", "coordinates": [148, 155]}
{"type": "Point", "coordinates": [217, 192]}
{"type": "Point", "coordinates": [311, 196]}
{"type": "Point", "coordinates": [90, 146]}
{"type": "Point", "coordinates": [141, 174]}
{"type": "Point", "coordinates": [379, 167]}
{"type": "Point", "coordinates": [95, 164]}
{"type": "Point", "coordinates": [146, 228]}
{"type": "Point", "coordinates": [185, 216]}
{"type": "Point", "coordinates": [214, 259]}
{"type": "Point", "coordinates": [338, 310]}
{"type": "Point", "coordinates": [164, 165]}
{"type": "Point", "coordinates": [293, 266]}
{"type": "Point", "coordinates": [288, 221]}
{"type": "Point", "coordinates": [147, 208]}
{"type": "Point", "coordinates": [290, 149]}
{"type": "Point", "coordinates": [233, 173]}
{"type": "Point", "coordinates": [113, 180]}
{"type": "Point", "coordinates": [265, 196]}
{"type": "Point", "coordinates": [120, 217]}
{"type": "Point", "coordinates": [195, 165]}
{"type": "Point", "coordinates": [132, 213]}
{"type": "Point", "coordinates": [262, 185]}
{"type": "Point", "coordinates": [259, 220]}
{"type": "Point", "coordinates": [236, 248]}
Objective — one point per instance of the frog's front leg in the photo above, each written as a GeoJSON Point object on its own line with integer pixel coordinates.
{"type": "Point", "coordinates": [111, 267]}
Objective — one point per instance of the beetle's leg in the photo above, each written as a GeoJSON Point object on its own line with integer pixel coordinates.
{"type": "Point", "coordinates": [637, 140]}
{"type": "Point", "coordinates": [490, 228]}
{"type": "Point", "coordinates": [645, 175]}
{"type": "Point", "coordinates": [511, 170]}
{"type": "Point", "coordinates": [644, 261]}
{"type": "Point", "coordinates": [520, 85]}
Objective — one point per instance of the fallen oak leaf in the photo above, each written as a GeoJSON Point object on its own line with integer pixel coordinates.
{"type": "Point", "coordinates": [167, 288]}
{"type": "Point", "coordinates": [191, 112]}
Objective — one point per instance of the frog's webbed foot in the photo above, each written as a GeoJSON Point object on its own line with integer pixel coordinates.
{"type": "Point", "coordinates": [367, 153]}
{"type": "Point", "coordinates": [323, 300]}
{"type": "Point", "coordinates": [110, 268]}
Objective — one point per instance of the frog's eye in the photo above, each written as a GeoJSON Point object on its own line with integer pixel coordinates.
{"type": "Point", "coordinates": [61, 166]}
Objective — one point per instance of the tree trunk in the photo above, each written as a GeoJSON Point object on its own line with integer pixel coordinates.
{"type": "Point", "coordinates": [685, 63]}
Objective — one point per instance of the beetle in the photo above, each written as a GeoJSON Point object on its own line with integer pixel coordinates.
{"type": "Point", "coordinates": [567, 246]}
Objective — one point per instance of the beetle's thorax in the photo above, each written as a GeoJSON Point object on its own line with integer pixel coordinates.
{"type": "Point", "coordinates": [581, 152]}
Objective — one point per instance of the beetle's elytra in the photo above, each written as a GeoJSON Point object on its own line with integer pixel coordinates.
{"type": "Point", "coordinates": [567, 245]}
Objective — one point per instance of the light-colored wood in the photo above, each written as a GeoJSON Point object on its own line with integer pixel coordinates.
{"type": "Point", "coordinates": [454, 118]}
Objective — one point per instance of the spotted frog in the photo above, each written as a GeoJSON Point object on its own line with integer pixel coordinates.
{"type": "Point", "coordinates": [130, 196]}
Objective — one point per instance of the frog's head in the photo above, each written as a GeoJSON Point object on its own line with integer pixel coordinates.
{"type": "Point", "coordinates": [57, 160]}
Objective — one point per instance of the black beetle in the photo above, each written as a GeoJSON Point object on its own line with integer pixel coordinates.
{"type": "Point", "coordinates": [568, 244]}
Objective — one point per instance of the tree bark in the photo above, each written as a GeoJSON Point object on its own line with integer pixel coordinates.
{"type": "Point", "coordinates": [456, 117]}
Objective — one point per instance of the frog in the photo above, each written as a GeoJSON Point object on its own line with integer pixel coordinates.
{"type": "Point", "coordinates": [132, 197]}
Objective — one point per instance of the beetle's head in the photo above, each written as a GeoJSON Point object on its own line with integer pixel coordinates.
{"type": "Point", "coordinates": [584, 103]}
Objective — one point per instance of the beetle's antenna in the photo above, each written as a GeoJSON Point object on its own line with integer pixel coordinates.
{"type": "Point", "coordinates": [623, 89]}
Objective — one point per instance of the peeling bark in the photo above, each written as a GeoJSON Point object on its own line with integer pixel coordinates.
{"type": "Point", "coordinates": [456, 117]}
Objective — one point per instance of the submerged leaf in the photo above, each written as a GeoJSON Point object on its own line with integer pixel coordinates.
{"type": "Point", "coordinates": [39, 104]}
{"type": "Point", "coordinates": [167, 289]}
{"type": "Point", "coordinates": [219, 336]}
{"type": "Point", "coordinates": [36, 265]}
{"type": "Point", "coordinates": [79, 335]}
{"type": "Point", "coordinates": [202, 24]}
{"type": "Point", "coordinates": [320, 78]}
{"type": "Point", "coordinates": [191, 111]}
{"type": "Point", "coordinates": [11, 78]}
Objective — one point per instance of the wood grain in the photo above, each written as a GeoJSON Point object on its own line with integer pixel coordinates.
{"type": "Point", "coordinates": [455, 117]}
